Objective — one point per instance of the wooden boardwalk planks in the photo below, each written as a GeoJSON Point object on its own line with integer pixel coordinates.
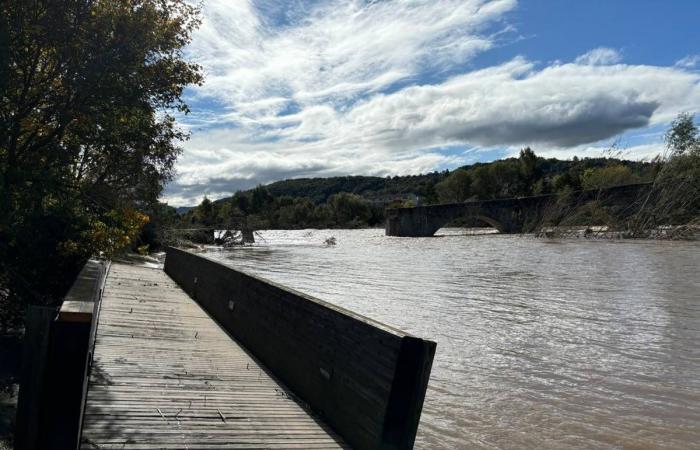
{"type": "Point", "coordinates": [166, 376]}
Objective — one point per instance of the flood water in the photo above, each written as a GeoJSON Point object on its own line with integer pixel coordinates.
{"type": "Point", "coordinates": [541, 344]}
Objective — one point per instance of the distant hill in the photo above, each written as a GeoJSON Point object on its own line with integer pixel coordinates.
{"type": "Point", "coordinates": [357, 201]}
{"type": "Point", "coordinates": [183, 209]}
{"type": "Point", "coordinates": [383, 190]}
{"type": "Point", "coordinates": [373, 189]}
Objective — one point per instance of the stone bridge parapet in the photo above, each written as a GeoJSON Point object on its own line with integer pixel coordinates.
{"type": "Point", "coordinates": [511, 215]}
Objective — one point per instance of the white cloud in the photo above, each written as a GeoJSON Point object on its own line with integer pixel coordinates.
{"type": "Point", "coordinates": [689, 62]}
{"type": "Point", "coordinates": [563, 105]}
{"type": "Point", "coordinates": [560, 109]}
{"type": "Point", "coordinates": [642, 152]}
{"type": "Point", "coordinates": [336, 50]}
{"type": "Point", "coordinates": [599, 57]}
{"type": "Point", "coordinates": [313, 93]}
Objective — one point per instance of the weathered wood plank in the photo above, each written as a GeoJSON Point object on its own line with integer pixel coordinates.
{"type": "Point", "coordinates": [165, 375]}
{"type": "Point", "coordinates": [368, 380]}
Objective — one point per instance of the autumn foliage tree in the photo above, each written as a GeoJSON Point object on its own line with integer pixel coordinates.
{"type": "Point", "coordinates": [88, 94]}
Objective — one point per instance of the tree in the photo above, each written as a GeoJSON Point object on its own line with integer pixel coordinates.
{"type": "Point", "coordinates": [157, 232]}
{"type": "Point", "coordinates": [507, 178]}
{"type": "Point", "coordinates": [683, 135]}
{"type": "Point", "coordinates": [298, 214]}
{"type": "Point", "coordinates": [561, 182]}
{"type": "Point", "coordinates": [261, 199]}
{"type": "Point", "coordinates": [349, 209]}
{"type": "Point", "coordinates": [528, 170]}
{"type": "Point", "coordinates": [323, 216]}
{"type": "Point", "coordinates": [205, 213]}
{"type": "Point", "coordinates": [455, 188]}
{"type": "Point", "coordinates": [605, 177]}
{"type": "Point", "coordinates": [88, 93]}
{"type": "Point", "coordinates": [484, 185]}
{"type": "Point", "coordinates": [677, 185]}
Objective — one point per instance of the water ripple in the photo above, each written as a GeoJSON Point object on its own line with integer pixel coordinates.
{"type": "Point", "coordinates": [540, 344]}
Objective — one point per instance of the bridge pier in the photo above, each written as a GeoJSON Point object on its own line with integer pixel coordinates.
{"type": "Point", "coordinates": [411, 222]}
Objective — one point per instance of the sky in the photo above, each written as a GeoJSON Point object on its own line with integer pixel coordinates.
{"type": "Point", "coordinates": [314, 88]}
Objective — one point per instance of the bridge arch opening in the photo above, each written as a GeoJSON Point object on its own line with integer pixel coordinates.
{"type": "Point", "coordinates": [473, 223]}
{"type": "Point", "coordinates": [493, 223]}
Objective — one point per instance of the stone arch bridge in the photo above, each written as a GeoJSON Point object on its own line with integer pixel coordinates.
{"type": "Point", "coordinates": [511, 215]}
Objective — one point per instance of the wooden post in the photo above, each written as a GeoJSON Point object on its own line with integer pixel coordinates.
{"type": "Point", "coordinates": [55, 360]}
{"type": "Point", "coordinates": [32, 380]}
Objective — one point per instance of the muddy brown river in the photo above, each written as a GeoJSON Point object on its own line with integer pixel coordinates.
{"type": "Point", "coordinates": [541, 344]}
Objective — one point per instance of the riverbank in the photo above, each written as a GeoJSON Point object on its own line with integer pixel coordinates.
{"type": "Point", "coordinates": [677, 232]}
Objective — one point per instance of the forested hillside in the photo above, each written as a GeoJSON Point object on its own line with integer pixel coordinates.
{"type": "Point", "coordinates": [375, 189]}
{"type": "Point", "coordinates": [512, 177]}
{"type": "Point", "coordinates": [359, 201]}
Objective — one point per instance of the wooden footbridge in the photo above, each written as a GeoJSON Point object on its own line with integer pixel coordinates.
{"type": "Point", "coordinates": [200, 356]}
{"type": "Point", "coordinates": [165, 375]}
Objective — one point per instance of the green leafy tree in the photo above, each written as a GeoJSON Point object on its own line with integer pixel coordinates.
{"type": "Point", "coordinates": [225, 214]}
{"type": "Point", "coordinates": [157, 232]}
{"type": "Point", "coordinates": [529, 172]}
{"type": "Point", "coordinates": [260, 200]}
{"type": "Point", "coordinates": [484, 184]}
{"type": "Point", "coordinates": [349, 209]}
{"type": "Point", "coordinates": [205, 213]}
{"type": "Point", "coordinates": [562, 182]}
{"type": "Point", "coordinates": [508, 180]}
{"type": "Point", "coordinates": [455, 188]}
{"type": "Point", "coordinates": [605, 177]}
{"type": "Point", "coordinates": [677, 185]}
{"type": "Point", "coordinates": [682, 137]}
{"type": "Point", "coordinates": [88, 93]}
{"type": "Point", "coordinates": [541, 187]}
{"type": "Point", "coordinates": [298, 214]}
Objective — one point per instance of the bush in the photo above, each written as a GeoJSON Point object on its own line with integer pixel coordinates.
{"type": "Point", "coordinates": [606, 177]}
